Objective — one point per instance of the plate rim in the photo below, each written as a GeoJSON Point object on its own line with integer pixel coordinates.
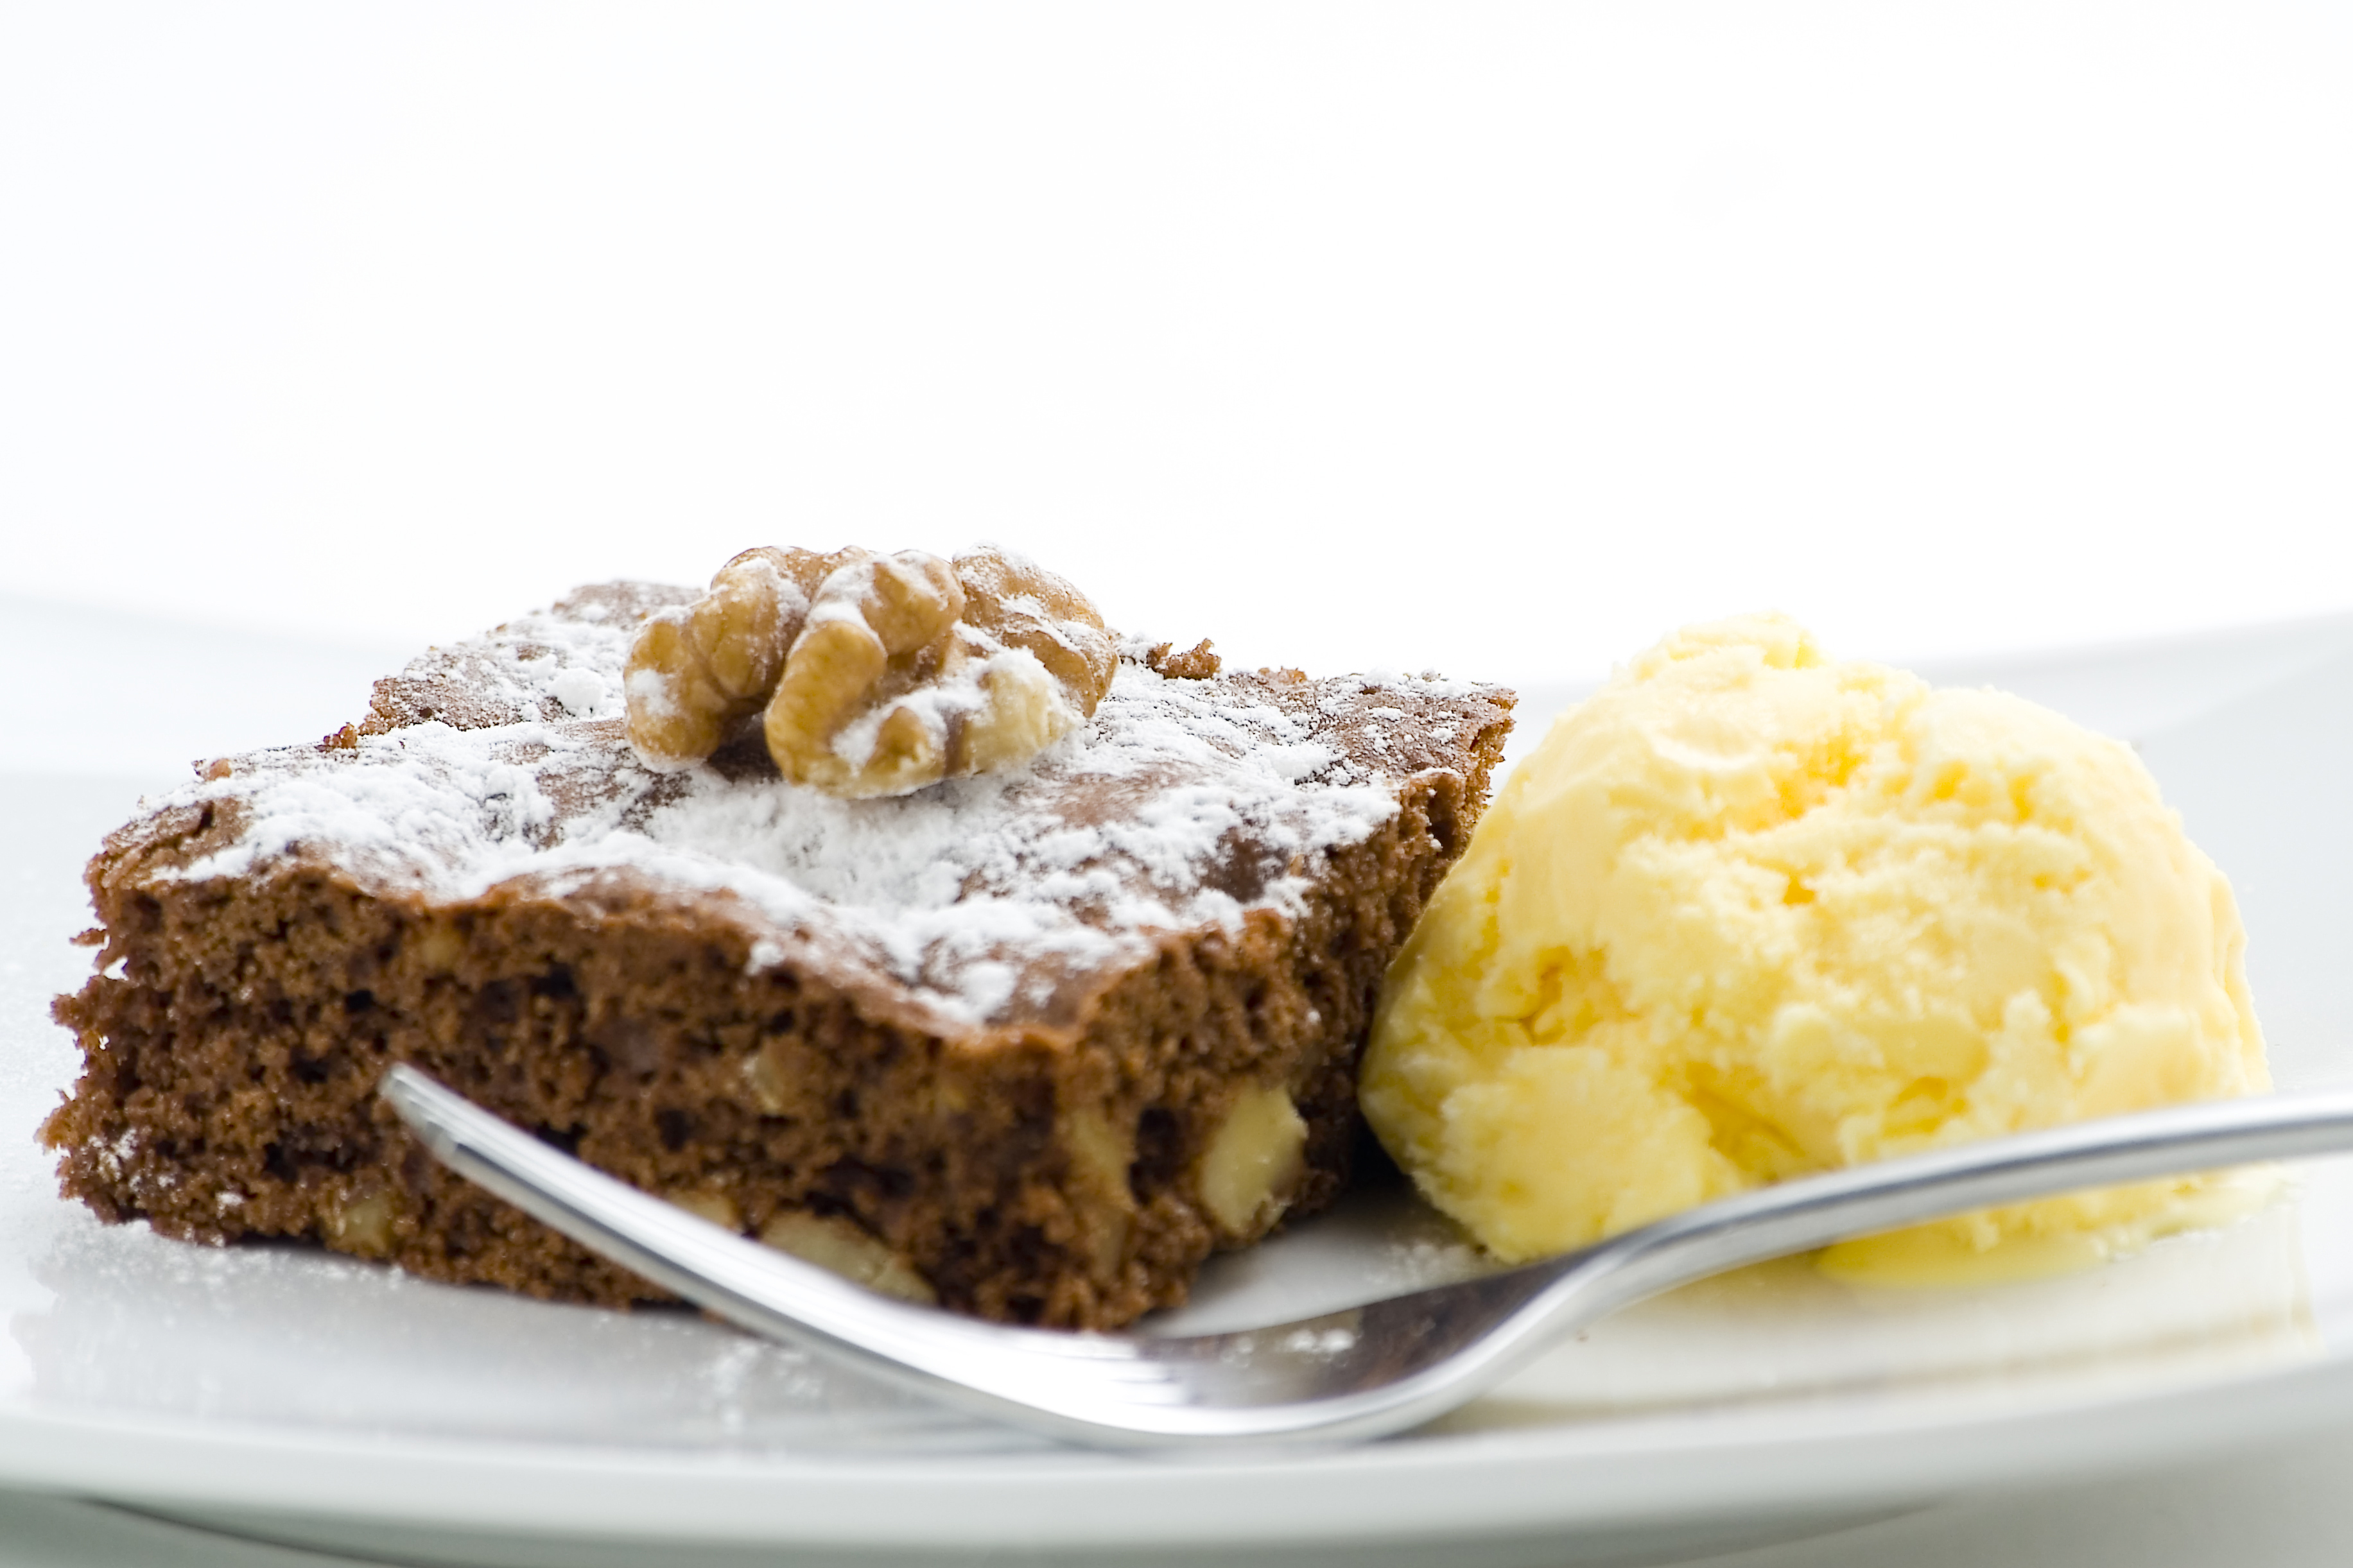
{"type": "Point", "coordinates": [1513, 1483]}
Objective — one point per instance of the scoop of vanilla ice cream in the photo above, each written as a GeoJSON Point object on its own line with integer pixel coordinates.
{"type": "Point", "coordinates": [1749, 913]}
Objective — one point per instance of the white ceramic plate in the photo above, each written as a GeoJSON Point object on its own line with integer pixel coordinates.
{"type": "Point", "coordinates": [282, 1392]}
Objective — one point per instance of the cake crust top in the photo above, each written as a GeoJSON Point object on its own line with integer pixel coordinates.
{"type": "Point", "coordinates": [498, 767]}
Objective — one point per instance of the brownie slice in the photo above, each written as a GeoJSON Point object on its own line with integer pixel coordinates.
{"type": "Point", "coordinates": [1032, 1045]}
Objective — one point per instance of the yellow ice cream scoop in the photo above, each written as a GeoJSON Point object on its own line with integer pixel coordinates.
{"type": "Point", "coordinates": [1750, 913]}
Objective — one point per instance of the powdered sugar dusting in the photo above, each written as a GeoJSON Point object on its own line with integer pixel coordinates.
{"type": "Point", "coordinates": [1181, 803]}
{"type": "Point", "coordinates": [563, 662]}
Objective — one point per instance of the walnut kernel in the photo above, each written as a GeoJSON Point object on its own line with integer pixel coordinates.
{"type": "Point", "coordinates": [1253, 1162]}
{"type": "Point", "coordinates": [874, 674]}
{"type": "Point", "coordinates": [439, 948]}
{"type": "Point", "coordinates": [1198, 662]}
{"type": "Point", "coordinates": [1099, 1188]}
{"type": "Point", "coordinates": [362, 1224]}
{"type": "Point", "coordinates": [841, 1245]}
{"type": "Point", "coordinates": [703, 1202]}
{"type": "Point", "coordinates": [697, 671]}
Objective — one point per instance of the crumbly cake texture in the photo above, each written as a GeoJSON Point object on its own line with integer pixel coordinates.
{"type": "Point", "coordinates": [1021, 1043]}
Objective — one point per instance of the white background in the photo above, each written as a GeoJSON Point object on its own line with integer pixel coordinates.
{"type": "Point", "coordinates": [1499, 339]}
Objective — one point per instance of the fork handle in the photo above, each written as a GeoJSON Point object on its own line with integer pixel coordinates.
{"type": "Point", "coordinates": [1798, 1215]}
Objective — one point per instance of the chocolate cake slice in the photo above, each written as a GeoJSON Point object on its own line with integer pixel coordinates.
{"type": "Point", "coordinates": [1033, 1045]}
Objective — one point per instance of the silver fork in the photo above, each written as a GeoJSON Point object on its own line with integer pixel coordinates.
{"type": "Point", "coordinates": [1358, 1373]}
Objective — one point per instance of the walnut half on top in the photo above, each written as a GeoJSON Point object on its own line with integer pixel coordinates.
{"type": "Point", "coordinates": [874, 674]}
